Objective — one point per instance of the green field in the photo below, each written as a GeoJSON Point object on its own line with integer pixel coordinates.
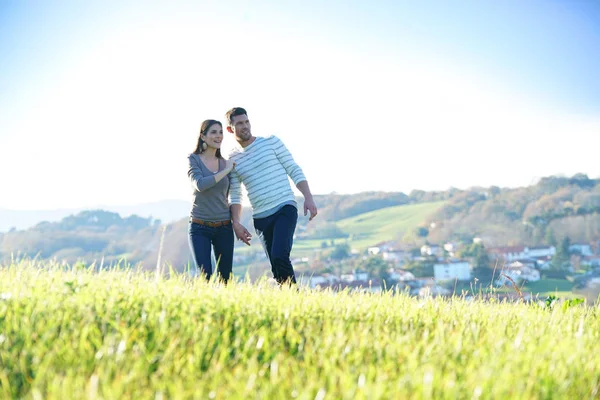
{"type": "Point", "coordinates": [549, 286]}
{"type": "Point", "coordinates": [128, 335]}
{"type": "Point", "coordinates": [368, 229]}
{"type": "Point", "coordinates": [389, 223]}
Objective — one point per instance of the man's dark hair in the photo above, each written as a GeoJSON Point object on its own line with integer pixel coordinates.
{"type": "Point", "coordinates": [234, 112]}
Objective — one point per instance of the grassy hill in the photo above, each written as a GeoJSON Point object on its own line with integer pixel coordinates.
{"type": "Point", "coordinates": [127, 335]}
{"type": "Point", "coordinates": [370, 228]}
{"type": "Point", "coordinates": [386, 224]}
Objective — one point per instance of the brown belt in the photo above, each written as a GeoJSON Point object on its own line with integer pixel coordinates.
{"type": "Point", "coordinates": [215, 224]}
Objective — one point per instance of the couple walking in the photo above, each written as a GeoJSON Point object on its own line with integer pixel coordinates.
{"type": "Point", "coordinates": [262, 165]}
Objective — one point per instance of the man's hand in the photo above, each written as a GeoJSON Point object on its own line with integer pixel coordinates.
{"type": "Point", "coordinates": [242, 233]}
{"type": "Point", "coordinates": [309, 205]}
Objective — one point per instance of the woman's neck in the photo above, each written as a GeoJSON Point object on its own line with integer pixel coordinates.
{"type": "Point", "coordinates": [209, 153]}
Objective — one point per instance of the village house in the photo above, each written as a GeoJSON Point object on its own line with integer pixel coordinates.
{"type": "Point", "coordinates": [450, 270]}
{"type": "Point", "coordinates": [528, 262]}
{"type": "Point", "coordinates": [451, 248]}
{"type": "Point", "coordinates": [583, 249]}
{"type": "Point", "coordinates": [543, 263]}
{"type": "Point", "coordinates": [400, 275]}
{"type": "Point", "coordinates": [432, 250]}
{"type": "Point", "coordinates": [513, 253]}
{"type": "Point", "coordinates": [373, 251]}
{"type": "Point", "coordinates": [540, 251]}
{"type": "Point", "coordinates": [591, 261]}
{"type": "Point", "coordinates": [356, 275]}
{"type": "Point", "coordinates": [508, 253]}
{"type": "Point", "coordinates": [380, 248]}
{"type": "Point", "coordinates": [518, 272]}
{"type": "Point", "coordinates": [399, 257]}
{"type": "Point", "coordinates": [313, 281]}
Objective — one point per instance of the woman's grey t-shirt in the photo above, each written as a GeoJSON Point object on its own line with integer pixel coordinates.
{"type": "Point", "coordinates": [210, 197]}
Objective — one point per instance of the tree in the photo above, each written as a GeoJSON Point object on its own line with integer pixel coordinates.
{"type": "Point", "coordinates": [377, 267]}
{"type": "Point", "coordinates": [480, 256]}
{"type": "Point", "coordinates": [421, 231]}
{"type": "Point", "coordinates": [340, 252]}
{"type": "Point", "coordinates": [550, 238]}
{"type": "Point", "coordinates": [561, 260]}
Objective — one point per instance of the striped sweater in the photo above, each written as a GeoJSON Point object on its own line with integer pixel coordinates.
{"type": "Point", "coordinates": [263, 167]}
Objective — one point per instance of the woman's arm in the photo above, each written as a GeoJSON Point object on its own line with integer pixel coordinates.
{"type": "Point", "coordinates": [201, 182]}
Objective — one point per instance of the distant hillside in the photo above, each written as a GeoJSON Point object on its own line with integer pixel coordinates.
{"type": "Point", "coordinates": [539, 214]}
{"type": "Point", "coordinates": [165, 210]}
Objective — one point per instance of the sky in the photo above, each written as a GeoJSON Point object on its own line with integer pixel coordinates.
{"type": "Point", "coordinates": [101, 102]}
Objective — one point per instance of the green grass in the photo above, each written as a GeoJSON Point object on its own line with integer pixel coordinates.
{"type": "Point", "coordinates": [126, 335]}
{"type": "Point", "coordinates": [549, 286]}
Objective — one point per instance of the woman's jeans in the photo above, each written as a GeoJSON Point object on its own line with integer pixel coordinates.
{"type": "Point", "coordinates": [201, 237]}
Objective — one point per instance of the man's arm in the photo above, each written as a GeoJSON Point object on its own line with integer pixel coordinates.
{"type": "Point", "coordinates": [287, 161]}
{"type": "Point", "coordinates": [309, 201]}
{"type": "Point", "coordinates": [235, 201]}
{"type": "Point", "coordinates": [295, 172]}
{"type": "Point", "coordinates": [240, 231]}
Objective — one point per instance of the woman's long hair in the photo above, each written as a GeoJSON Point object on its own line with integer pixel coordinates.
{"type": "Point", "coordinates": [206, 125]}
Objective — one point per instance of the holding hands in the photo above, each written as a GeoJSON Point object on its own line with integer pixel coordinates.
{"type": "Point", "coordinates": [241, 233]}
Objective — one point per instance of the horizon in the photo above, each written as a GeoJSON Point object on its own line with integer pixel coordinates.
{"type": "Point", "coordinates": [101, 103]}
{"type": "Point", "coordinates": [246, 204]}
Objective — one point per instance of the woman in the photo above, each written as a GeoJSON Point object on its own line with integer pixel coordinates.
{"type": "Point", "coordinates": [210, 221]}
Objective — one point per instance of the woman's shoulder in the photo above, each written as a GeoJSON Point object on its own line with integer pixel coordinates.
{"type": "Point", "coordinates": [194, 159]}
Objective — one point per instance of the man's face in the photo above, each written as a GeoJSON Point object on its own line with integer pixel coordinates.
{"type": "Point", "coordinates": [240, 127]}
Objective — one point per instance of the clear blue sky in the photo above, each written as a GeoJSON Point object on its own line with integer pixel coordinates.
{"type": "Point", "coordinates": [101, 101]}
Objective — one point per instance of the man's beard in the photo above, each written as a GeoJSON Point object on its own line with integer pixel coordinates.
{"type": "Point", "coordinates": [245, 135]}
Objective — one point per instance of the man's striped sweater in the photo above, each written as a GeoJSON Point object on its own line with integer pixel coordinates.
{"type": "Point", "coordinates": [263, 167]}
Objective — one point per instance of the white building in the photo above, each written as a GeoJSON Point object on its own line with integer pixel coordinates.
{"type": "Point", "coordinates": [450, 270]}
{"type": "Point", "coordinates": [512, 253]}
{"type": "Point", "coordinates": [450, 248]}
{"type": "Point", "coordinates": [318, 280]}
{"type": "Point", "coordinates": [356, 275]}
{"type": "Point", "coordinates": [540, 251]}
{"type": "Point", "coordinates": [401, 275]}
{"type": "Point", "coordinates": [373, 250]}
{"type": "Point", "coordinates": [432, 250]}
{"type": "Point", "coordinates": [397, 256]}
{"type": "Point", "coordinates": [518, 272]}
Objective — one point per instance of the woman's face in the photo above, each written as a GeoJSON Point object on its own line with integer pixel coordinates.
{"type": "Point", "coordinates": [214, 136]}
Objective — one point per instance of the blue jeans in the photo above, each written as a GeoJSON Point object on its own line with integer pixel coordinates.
{"type": "Point", "coordinates": [200, 239]}
{"type": "Point", "coordinates": [276, 234]}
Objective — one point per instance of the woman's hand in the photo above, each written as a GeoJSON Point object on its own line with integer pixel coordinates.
{"type": "Point", "coordinates": [229, 165]}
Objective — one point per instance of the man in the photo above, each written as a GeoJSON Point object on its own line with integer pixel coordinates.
{"type": "Point", "coordinates": [263, 165]}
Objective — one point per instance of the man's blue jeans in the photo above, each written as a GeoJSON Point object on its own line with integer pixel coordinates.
{"type": "Point", "coordinates": [201, 237]}
{"type": "Point", "coordinates": [276, 233]}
